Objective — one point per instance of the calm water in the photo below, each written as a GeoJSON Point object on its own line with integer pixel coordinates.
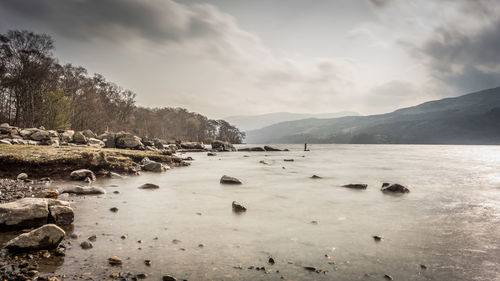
{"type": "Point", "coordinates": [450, 221]}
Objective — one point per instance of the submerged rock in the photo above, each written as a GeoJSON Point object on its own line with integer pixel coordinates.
{"type": "Point", "coordinates": [46, 237]}
{"type": "Point", "coordinates": [394, 187]}
{"type": "Point", "coordinates": [153, 166]}
{"type": "Point", "coordinates": [84, 190]}
{"type": "Point", "coordinates": [82, 174]}
{"type": "Point", "coordinates": [315, 177]}
{"type": "Point", "coordinates": [237, 207]}
{"type": "Point", "coordinates": [252, 149]}
{"type": "Point", "coordinates": [288, 160]}
{"type": "Point", "coordinates": [356, 185]}
{"type": "Point", "coordinates": [271, 148]}
{"type": "Point", "coordinates": [86, 245]}
{"type": "Point", "coordinates": [211, 154]}
{"type": "Point", "coordinates": [229, 180]}
{"type": "Point", "coordinates": [149, 186]}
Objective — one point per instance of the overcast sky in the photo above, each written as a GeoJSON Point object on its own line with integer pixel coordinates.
{"type": "Point", "coordinates": [233, 57]}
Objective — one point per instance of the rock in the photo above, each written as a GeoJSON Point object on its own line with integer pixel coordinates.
{"type": "Point", "coordinates": [270, 148]}
{"type": "Point", "coordinates": [264, 162]}
{"type": "Point", "coordinates": [192, 145]}
{"type": "Point", "coordinates": [79, 137]}
{"type": "Point", "coordinates": [114, 260]}
{"type": "Point", "coordinates": [22, 176]}
{"type": "Point", "coordinates": [377, 238]}
{"type": "Point", "coordinates": [356, 186]}
{"type": "Point", "coordinates": [211, 154]}
{"type": "Point", "coordinates": [168, 278]}
{"type": "Point", "coordinates": [113, 209]}
{"type": "Point", "coordinates": [128, 141]}
{"type": "Point", "coordinates": [252, 149]}
{"type": "Point", "coordinates": [67, 136]}
{"type": "Point", "coordinates": [152, 166]}
{"type": "Point", "coordinates": [61, 215]}
{"type": "Point", "coordinates": [83, 190]}
{"type": "Point", "coordinates": [89, 134]}
{"type": "Point", "coordinates": [46, 237]}
{"type": "Point", "coordinates": [149, 186]}
{"type": "Point", "coordinates": [92, 238]}
{"type": "Point", "coordinates": [315, 177]}
{"type": "Point", "coordinates": [4, 141]}
{"type": "Point", "coordinates": [51, 193]}
{"type": "Point", "coordinates": [86, 245]}
{"type": "Point", "coordinates": [141, 276]}
{"type": "Point", "coordinates": [394, 187]}
{"type": "Point", "coordinates": [229, 180]}
{"type": "Point", "coordinates": [218, 145]}
{"type": "Point", "coordinates": [82, 174]}
{"type": "Point", "coordinates": [95, 142]}
{"type": "Point", "coordinates": [147, 262]}
{"type": "Point", "coordinates": [271, 261]}
{"type": "Point", "coordinates": [189, 158]}
{"type": "Point", "coordinates": [237, 207]}
{"type": "Point", "coordinates": [388, 277]}
{"type": "Point", "coordinates": [87, 180]}
{"type": "Point", "coordinates": [33, 212]}
{"type": "Point", "coordinates": [40, 135]}
{"type": "Point", "coordinates": [109, 139]}
{"type": "Point", "coordinates": [114, 175]}
{"type": "Point", "coordinates": [288, 160]}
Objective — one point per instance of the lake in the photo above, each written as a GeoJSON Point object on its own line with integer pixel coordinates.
{"type": "Point", "coordinates": [449, 222]}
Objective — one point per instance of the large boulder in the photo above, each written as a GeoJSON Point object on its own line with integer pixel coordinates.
{"type": "Point", "coordinates": [152, 166]}
{"type": "Point", "coordinates": [80, 138]}
{"type": "Point", "coordinates": [158, 143]}
{"type": "Point", "coordinates": [40, 135]}
{"type": "Point", "coordinates": [96, 142]}
{"type": "Point", "coordinates": [109, 139]}
{"type": "Point", "coordinates": [84, 190]}
{"type": "Point", "coordinates": [82, 174]}
{"type": "Point", "coordinates": [258, 148]}
{"type": "Point", "coordinates": [394, 187]}
{"type": "Point", "coordinates": [33, 212]}
{"type": "Point", "coordinates": [222, 146]}
{"type": "Point", "coordinates": [67, 136]}
{"type": "Point", "coordinates": [46, 237]}
{"type": "Point", "coordinates": [89, 134]}
{"type": "Point", "coordinates": [128, 141]}
{"type": "Point", "coordinates": [229, 180]}
{"type": "Point", "coordinates": [26, 133]}
{"type": "Point", "coordinates": [192, 145]}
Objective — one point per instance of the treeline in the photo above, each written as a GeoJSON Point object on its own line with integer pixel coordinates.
{"type": "Point", "coordinates": [35, 90]}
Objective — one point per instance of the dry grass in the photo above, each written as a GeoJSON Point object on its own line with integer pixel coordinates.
{"type": "Point", "coordinates": [57, 162]}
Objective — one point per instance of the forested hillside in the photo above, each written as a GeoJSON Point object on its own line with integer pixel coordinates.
{"type": "Point", "coordinates": [36, 90]}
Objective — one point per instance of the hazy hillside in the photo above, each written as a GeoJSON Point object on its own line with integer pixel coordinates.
{"type": "Point", "coordinates": [469, 119]}
{"type": "Point", "coordinates": [253, 122]}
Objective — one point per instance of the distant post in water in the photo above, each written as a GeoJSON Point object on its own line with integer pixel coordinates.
{"type": "Point", "coordinates": [305, 146]}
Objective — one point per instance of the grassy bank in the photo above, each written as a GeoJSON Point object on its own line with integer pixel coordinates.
{"type": "Point", "coordinates": [58, 162]}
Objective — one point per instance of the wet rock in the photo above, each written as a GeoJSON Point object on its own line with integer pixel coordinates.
{"type": "Point", "coordinates": [377, 238]}
{"type": "Point", "coordinates": [237, 207]}
{"type": "Point", "coordinates": [176, 241]}
{"type": "Point", "coordinates": [388, 277]}
{"type": "Point", "coordinates": [86, 245]}
{"type": "Point", "coordinates": [271, 148]}
{"type": "Point", "coordinates": [116, 192]}
{"type": "Point", "coordinates": [252, 149]}
{"type": "Point", "coordinates": [51, 193]}
{"type": "Point", "coordinates": [271, 261]}
{"type": "Point", "coordinates": [394, 187]}
{"type": "Point", "coordinates": [147, 262]}
{"type": "Point", "coordinates": [288, 160]}
{"type": "Point", "coordinates": [153, 166]}
{"type": "Point", "coordinates": [84, 190]}
{"type": "Point", "coordinates": [264, 162]}
{"type": "Point", "coordinates": [82, 174]}
{"type": "Point", "coordinates": [92, 238]}
{"type": "Point", "coordinates": [149, 186]}
{"type": "Point", "coordinates": [114, 260]}
{"type": "Point", "coordinates": [73, 236]}
{"type": "Point", "coordinates": [189, 158]}
{"type": "Point", "coordinates": [22, 176]}
{"type": "Point", "coordinates": [168, 278]}
{"type": "Point", "coordinates": [141, 276]}
{"type": "Point", "coordinates": [315, 177]}
{"type": "Point", "coordinates": [423, 266]}
{"type": "Point", "coordinates": [87, 180]}
{"type": "Point", "coordinates": [46, 237]}
{"type": "Point", "coordinates": [356, 186]}
{"type": "Point", "coordinates": [61, 215]}
{"type": "Point", "coordinates": [211, 154]}
{"type": "Point", "coordinates": [114, 209]}
{"type": "Point", "coordinates": [229, 180]}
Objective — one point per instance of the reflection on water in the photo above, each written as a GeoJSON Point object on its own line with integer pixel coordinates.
{"type": "Point", "coordinates": [449, 222]}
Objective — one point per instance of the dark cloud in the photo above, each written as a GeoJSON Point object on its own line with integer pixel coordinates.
{"type": "Point", "coordinates": [465, 61]}
{"type": "Point", "coordinates": [154, 20]}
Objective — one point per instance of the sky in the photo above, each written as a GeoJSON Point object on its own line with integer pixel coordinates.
{"type": "Point", "coordinates": [242, 57]}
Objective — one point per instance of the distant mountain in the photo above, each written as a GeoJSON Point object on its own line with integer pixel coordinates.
{"type": "Point", "coordinates": [469, 119]}
{"type": "Point", "coordinates": [253, 122]}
